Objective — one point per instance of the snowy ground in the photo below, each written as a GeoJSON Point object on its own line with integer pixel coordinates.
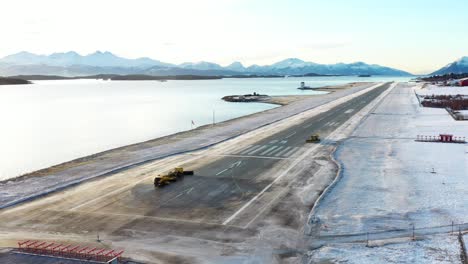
{"type": "Point", "coordinates": [438, 249]}
{"type": "Point", "coordinates": [387, 183]}
{"type": "Point", "coordinates": [443, 90]}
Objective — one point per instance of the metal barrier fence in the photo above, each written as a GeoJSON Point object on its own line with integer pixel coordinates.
{"type": "Point", "coordinates": [411, 232]}
{"type": "Point", "coordinates": [69, 251]}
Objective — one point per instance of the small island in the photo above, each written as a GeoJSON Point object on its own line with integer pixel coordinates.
{"type": "Point", "coordinates": [13, 81]}
{"type": "Point", "coordinates": [246, 98]}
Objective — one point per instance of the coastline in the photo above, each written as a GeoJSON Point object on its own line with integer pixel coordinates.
{"type": "Point", "coordinates": [281, 101]}
{"type": "Point", "coordinates": [287, 99]}
{"type": "Point", "coordinates": [66, 174]}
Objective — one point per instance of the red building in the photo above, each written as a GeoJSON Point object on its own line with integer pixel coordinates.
{"type": "Point", "coordinates": [464, 82]}
{"type": "Point", "coordinates": [446, 138]}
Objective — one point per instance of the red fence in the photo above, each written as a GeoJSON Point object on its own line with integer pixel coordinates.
{"type": "Point", "coordinates": [441, 138]}
{"type": "Point", "coordinates": [68, 251]}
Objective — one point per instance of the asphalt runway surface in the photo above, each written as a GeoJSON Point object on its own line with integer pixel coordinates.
{"type": "Point", "coordinates": [220, 191]}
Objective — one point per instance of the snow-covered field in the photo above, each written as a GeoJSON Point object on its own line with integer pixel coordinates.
{"type": "Point", "coordinates": [443, 90]}
{"type": "Point", "coordinates": [389, 181]}
{"type": "Point", "coordinates": [437, 249]}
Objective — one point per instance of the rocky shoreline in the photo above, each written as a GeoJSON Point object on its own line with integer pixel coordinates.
{"type": "Point", "coordinates": [13, 81]}
{"type": "Point", "coordinates": [246, 98]}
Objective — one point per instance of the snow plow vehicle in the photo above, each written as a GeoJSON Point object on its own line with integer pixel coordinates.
{"type": "Point", "coordinates": [172, 176]}
{"type": "Point", "coordinates": [313, 139]}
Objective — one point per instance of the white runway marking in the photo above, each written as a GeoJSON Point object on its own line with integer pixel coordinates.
{"type": "Point", "coordinates": [247, 156]}
{"type": "Point", "coordinates": [221, 171]}
{"type": "Point", "coordinates": [250, 148]}
{"type": "Point", "coordinates": [349, 111]}
{"type": "Point", "coordinates": [283, 151]}
{"type": "Point", "coordinates": [268, 150]}
{"type": "Point", "coordinates": [257, 150]}
{"type": "Point", "coordinates": [235, 164]}
{"type": "Point", "coordinates": [292, 151]}
{"type": "Point", "coordinates": [274, 141]}
{"type": "Point", "coordinates": [274, 151]}
{"type": "Point", "coordinates": [151, 217]}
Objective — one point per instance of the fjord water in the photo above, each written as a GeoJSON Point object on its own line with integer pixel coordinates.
{"type": "Point", "coordinates": [50, 122]}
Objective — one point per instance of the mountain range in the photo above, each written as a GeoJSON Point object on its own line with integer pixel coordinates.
{"type": "Point", "coordinates": [74, 64]}
{"type": "Point", "coordinates": [457, 67]}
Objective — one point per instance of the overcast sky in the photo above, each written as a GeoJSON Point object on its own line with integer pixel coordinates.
{"type": "Point", "coordinates": [419, 37]}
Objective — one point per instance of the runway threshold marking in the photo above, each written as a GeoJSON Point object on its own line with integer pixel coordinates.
{"type": "Point", "coordinates": [274, 151]}
{"type": "Point", "coordinates": [269, 150]}
{"type": "Point", "coordinates": [257, 150]}
{"type": "Point", "coordinates": [248, 156]}
{"type": "Point", "coordinates": [291, 151]}
{"type": "Point", "coordinates": [246, 149]}
{"type": "Point", "coordinates": [283, 151]}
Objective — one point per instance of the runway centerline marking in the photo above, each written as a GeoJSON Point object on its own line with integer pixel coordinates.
{"type": "Point", "coordinates": [233, 165]}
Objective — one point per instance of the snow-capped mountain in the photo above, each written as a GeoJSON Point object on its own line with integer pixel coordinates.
{"type": "Point", "coordinates": [459, 66]}
{"type": "Point", "coordinates": [96, 59]}
{"type": "Point", "coordinates": [235, 66]}
{"type": "Point", "coordinates": [291, 63]}
{"type": "Point", "coordinates": [299, 67]}
{"type": "Point", "coordinates": [202, 65]}
{"type": "Point", "coordinates": [74, 64]}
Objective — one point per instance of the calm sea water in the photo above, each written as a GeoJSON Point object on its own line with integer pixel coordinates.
{"type": "Point", "coordinates": [50, 122]}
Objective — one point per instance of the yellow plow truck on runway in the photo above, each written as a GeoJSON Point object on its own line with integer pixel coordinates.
{"type": "Point", "coordinates": [172, 176]}
{"type": "Point", "coordinates": [313, 139]}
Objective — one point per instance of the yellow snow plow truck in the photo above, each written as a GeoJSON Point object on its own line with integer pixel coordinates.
{"type": "Point", "coordinates": [172, 176]}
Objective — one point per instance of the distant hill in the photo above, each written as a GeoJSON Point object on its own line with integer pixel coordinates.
{"type": "Point", "coordinates": [74, 64]}
{"type": "Point", "coordinates": [457, 67]}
